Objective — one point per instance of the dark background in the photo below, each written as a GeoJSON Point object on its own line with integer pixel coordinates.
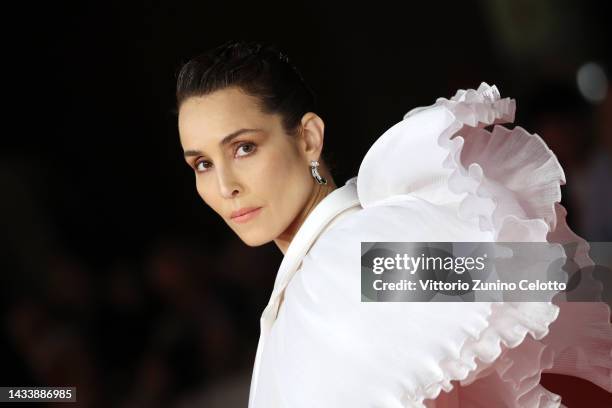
{"type": "Point", "coordinates": [118, 279]}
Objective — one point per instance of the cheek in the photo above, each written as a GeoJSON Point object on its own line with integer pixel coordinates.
{"type": "Point", "coordinates": [207, 193]}
{"type": "Point", "coordinates": [282, 176]}
{"type": "Point", "coordinates": [285, 162]}
{"type": "Point", "coordinates": [286, 184]}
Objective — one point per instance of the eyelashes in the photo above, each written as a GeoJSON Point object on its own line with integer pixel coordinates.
{"type": "Point", "coordinates": [251, 150]}
{"type": "Point", "coordinates": [246, 144]}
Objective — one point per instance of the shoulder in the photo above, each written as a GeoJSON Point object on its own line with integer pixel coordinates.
{"type": "Point", "coordinates": [405, 219]}
{"type": "Point", "coordinates": [333, 263]}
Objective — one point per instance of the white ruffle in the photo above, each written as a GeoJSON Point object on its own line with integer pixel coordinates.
{"type": "Point", "coordinates": [509, 181]}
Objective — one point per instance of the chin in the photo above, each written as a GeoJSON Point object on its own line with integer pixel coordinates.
{"type": "Point", "coordinates": [255, 241]}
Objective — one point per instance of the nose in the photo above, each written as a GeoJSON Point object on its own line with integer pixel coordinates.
{"type": "Point", "coordinates": [227, 182]}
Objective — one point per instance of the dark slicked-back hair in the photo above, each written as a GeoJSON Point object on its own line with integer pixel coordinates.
{"type": "Point", "coordinates": [259, 70]}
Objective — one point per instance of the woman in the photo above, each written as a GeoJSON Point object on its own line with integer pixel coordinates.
{"type": "Point", "coordinates": [248, 129]}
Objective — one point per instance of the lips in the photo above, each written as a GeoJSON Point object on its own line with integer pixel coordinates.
{"type": "Point", "coordinates": [243, 211]}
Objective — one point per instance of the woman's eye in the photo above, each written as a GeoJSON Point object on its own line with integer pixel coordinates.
{"type": "Point", "coordinates": [247, 148]}
{"type": "Point", "coordinates": [250, 147]}
{"type": "Point", "coordinates": [200, 166]}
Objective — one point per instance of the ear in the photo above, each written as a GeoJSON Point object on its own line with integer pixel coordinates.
{"type": "Point", "coordinates": [311, 136]}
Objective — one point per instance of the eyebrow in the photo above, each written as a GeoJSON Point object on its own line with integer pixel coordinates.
{"type": "Point", "coordinates": [226, 140]}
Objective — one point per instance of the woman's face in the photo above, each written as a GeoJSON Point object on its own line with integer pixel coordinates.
{"type": "Point", "coordinates": [236, 169]}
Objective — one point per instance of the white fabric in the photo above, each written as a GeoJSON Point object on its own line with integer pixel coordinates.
{"type": "Point", "coordinates": [437, 175]}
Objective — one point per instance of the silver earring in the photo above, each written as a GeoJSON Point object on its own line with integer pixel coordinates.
{"type": "Point", "coordinates": [315, 172]}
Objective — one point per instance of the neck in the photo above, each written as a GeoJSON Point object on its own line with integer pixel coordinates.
{"type": "Point", "coordinates": [320, 191]}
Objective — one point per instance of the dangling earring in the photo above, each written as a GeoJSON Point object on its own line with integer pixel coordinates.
{"type": "Point", "coordinates": [315, 172]}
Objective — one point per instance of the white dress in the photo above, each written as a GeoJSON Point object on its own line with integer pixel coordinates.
{"type": "Point", "coordinates": [438, 175]}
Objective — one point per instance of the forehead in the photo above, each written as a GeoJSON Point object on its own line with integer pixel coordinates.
{"type": "Point", "coordinates": [219, 113]}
